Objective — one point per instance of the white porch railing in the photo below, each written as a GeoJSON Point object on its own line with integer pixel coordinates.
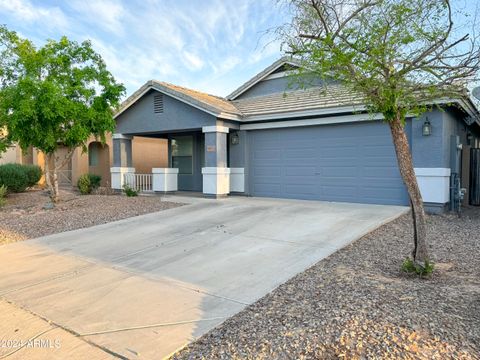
{"type": "Point", "coordinates": [139, 182]}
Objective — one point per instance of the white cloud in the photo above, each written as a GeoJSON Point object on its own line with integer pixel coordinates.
{"type": "Point", "coordinates": [207, 45]}
{"type": "Point", "coordinates": [226, 65]}
{"type": "Point", "coordinates": [192, 61]}
{"type": "Point", "coordinates": [261, 52]}
{"type": "Point", "coordinates": [131, 65]}
{"type": "Point", "coordinates": [51, 17]}
{"type": "Point", "coordinates": [106, 14]}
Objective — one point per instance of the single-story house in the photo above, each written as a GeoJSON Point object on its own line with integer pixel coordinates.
{"type": "Point", "coordinates": [273, 138]}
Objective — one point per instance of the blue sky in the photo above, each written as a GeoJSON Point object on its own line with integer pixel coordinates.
{"type": "Point", "coordinates": [209, 45]}
{"type": "Point", "coordinates": [212, 46]}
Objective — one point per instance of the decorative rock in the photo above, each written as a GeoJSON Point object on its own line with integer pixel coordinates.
{"type": "Point", "coordinates": [48, 206]}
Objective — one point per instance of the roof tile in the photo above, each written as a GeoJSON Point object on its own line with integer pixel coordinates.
{"type": "Point", "coordinates": [212, 100]}
{"type": "Point", "coordinates": [299, 100]}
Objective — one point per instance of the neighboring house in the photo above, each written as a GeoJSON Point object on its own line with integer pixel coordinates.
{"type": "Point", "coordinates": [271, 138]}
{"type": "Point", "coordinates": [149, 153]}
{"type": "Point", "coordinates": [12, 155]}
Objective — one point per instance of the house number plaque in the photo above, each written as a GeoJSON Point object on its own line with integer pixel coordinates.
{"type": "Point", "coordinates": [211, 148]}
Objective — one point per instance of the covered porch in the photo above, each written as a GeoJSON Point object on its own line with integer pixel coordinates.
{"type": "Point", "coordinates": [203, 155]}
{"type": "Point", "coordinates": [198, 161]}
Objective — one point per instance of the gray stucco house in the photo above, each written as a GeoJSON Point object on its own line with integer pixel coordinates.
{"type": "Point", "coordinates": [272, 138]}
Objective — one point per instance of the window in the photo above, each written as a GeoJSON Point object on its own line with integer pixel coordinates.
{"type": "Point", "coordinates": [158, 103]}
{"type": "Point", "coordinates": [182, 154]}
{"type": "Point", "coordinates": [93, 154]}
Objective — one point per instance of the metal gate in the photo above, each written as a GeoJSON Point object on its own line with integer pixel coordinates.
{"type": "Point", "coordinates": [475, 177]}
{"type": "Point", "coordinates": [456, 191]}
{"type": "Point", "coordinates": [64, 177]}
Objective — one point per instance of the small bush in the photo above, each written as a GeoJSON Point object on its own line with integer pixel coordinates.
{"type": "Point", "coordinates": [88, 182]}
{"type": "Point", "coordinates": [95, 181]}
{"type": "Point", "coordinates": [34, 174]}
{"type": "Point", "coordinates": [410, 267]}
{"type": "Point", "coordinates": [129, 191]}
{"type": "Point", "coordinates": [84, 185]}
{"type": "Point", "coordinates": [14, 177]}
{"type": "Point", "coordinates": [3, 195]}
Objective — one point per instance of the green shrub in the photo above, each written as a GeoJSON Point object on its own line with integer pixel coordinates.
{"type": "Point", "coordinates": [129, 191]}
{"type": "Point", "coordinates": [88, 182]}
{"type": "Point", "coordinates": [14, 177]}
{"type": "Point", "coordinates": [84, 185]}
{"type": "Point", "coordinates": [410, 267]}
{"type": "Point", "coordinates": [3, 195]}
{"type": "Point", "coordinates": [34, 174]}
{"type": "Point", "coordinates": [95, 181]}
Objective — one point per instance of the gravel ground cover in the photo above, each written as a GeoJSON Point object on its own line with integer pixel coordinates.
{"type": "Point", "coordinates": [25, 215]}
{"type": "Point", "coordinates": [357, 304]}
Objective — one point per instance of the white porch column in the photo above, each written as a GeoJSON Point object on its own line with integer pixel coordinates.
{"type": "Point", "coordinates": [117, 175]}
{"type": "Point", "coordinates": [216, 175]}
{"type": "Point", "coordinates": [434, 184]}
{"type": "Point", "coordinates": [237, 179]}
{"type": "Point", "coordinates": [216, 180]}
{"type": "Point", "coordinates": [165, 179]}
{"type": "Point", "coordinates": [122, 160]}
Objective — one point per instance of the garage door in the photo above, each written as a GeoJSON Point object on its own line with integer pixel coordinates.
{"type": "Point", "coordinates": [346, 162]}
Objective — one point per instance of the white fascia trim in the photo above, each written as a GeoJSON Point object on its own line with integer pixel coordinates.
{"type": "Point", "coordinates": [254, 81]}
{"type": "Point", "coordinates": [133, 101]}
{"type": "Point", "coordinates": [310, 122]}
{"type": "Point", "coordinates": [227, 116]}
{"type": "Point", "coordinates": [278, 75]}
{"type": "Point", "coordinates": [433, 172]}
{"type": "Point", "coordinates": [204, 108]}
{"type": "Point", "coordinates": [313, 112]}
{"type": "Point", "coordinates": [342, 109]}
{"type": "Point", "coordinates": [121, 136]}
{"type": "Point", "coordinates": [469, 108]}
{"type": "Point", "coordinates": [152, 86]}
{"type": "Point", "coordinates": [220, 129]}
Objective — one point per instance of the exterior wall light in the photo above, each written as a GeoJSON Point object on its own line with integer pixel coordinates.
{"type": "Point", "coordinates": [469, 138]}
{"type": "Point", "coordinates": [234, 139]}
{"type": "Point", "coordinates": [427, 128]}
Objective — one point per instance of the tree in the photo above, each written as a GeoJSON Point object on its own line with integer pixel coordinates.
{"type": "Point", "coordinates": [399, 55]}
{"type": "Point", "coordinates": [56, 95]}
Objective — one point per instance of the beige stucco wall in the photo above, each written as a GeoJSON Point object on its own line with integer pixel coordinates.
{"type": "Point", "coordinates": [12, 155]}
{"type": "Point", "coordinates": [32, 156]}
{"type": "Point", "coordinates": [148, 153]}
{"type": "Point", "coordinates": [80, 162]}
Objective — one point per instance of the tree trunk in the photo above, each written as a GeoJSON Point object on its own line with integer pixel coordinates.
{"type": "Point", "coordinates": [405, 164]}
{"type": "Point", "coordinates": [51, 177]}
{"type": "Point", "coordinates": [55, 192]}
{"type": "Point", "coordinates": [47, 172]}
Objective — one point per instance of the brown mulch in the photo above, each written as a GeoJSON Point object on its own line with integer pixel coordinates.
{"type": "Point", "coordinates": [358, 304]}
{"type": "Point", "coordinates": [27, 215]}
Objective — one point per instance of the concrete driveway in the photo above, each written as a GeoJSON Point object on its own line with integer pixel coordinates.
{"type": "Point", "coordinates": [146, 286]}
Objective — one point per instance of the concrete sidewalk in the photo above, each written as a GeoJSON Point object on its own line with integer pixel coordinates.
{"type": "Point", "coordinates": [144, 287]}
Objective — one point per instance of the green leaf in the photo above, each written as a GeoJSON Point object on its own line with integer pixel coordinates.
{"type": "Point", "coordinates": [57, 94]}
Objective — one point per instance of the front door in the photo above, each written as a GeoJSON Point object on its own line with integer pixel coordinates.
{"type": "Point", "coordinates": [187, 155]}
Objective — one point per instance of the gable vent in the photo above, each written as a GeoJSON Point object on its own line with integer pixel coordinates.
{"type": "Point", "coordinates": [158, 103]}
